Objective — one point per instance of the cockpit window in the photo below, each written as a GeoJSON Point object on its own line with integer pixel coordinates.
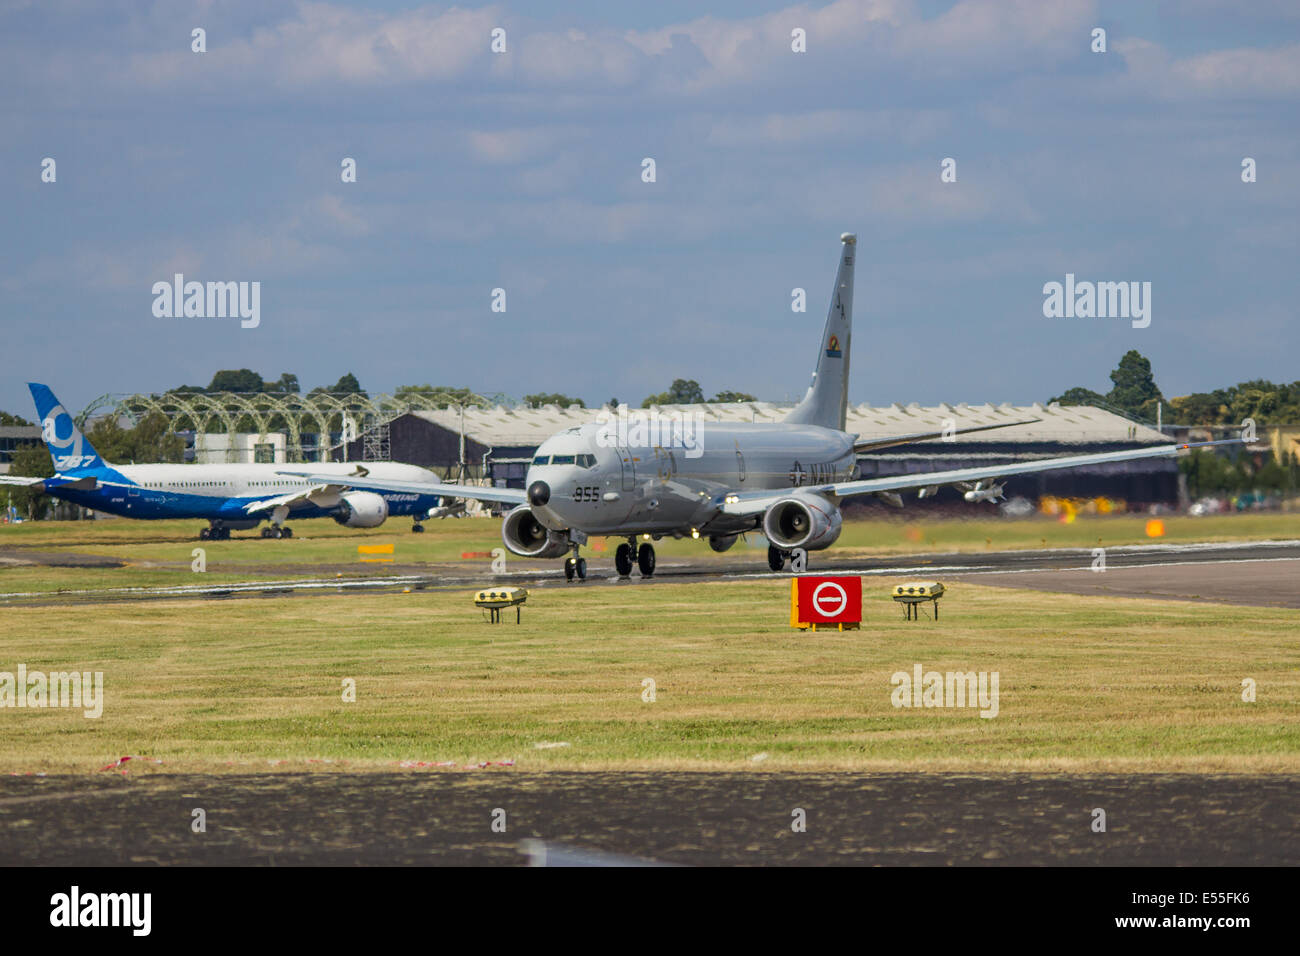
{"type": "Point", "coordinates": [542, 460]}
{"type": "Point", "coordinates": [562, 460]}
{"type": "Point", "coordinates": [587, 461]}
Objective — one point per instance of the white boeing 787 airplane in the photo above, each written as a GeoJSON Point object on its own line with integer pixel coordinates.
{"type": "Point", "coordinates": [230, 497]}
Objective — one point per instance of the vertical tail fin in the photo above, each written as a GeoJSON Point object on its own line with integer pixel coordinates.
{"type": "Point", "coordinates": [69, 449]}
{"type": "Point", "coordinates": [827, 401]}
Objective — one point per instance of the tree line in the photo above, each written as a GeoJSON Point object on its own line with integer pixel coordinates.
{"type": "Point", "coordinates": [1134, 393]}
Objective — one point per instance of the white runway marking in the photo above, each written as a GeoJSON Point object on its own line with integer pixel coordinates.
{"type": "Point", "coordinates": [1131, 567]}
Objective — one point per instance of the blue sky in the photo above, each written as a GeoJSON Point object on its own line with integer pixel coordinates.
{"type": "Point", "coordinates": [523, 171]}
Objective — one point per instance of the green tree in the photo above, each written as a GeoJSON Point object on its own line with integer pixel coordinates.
{"type": "Point", "coordinates": [149, 441]}
{"type": "Point", "coordinates": [31, 461]}
{"type": "Point", "coordinates": [1135, 391]}
{"type": "Point", "coordinates": [440, 394]}
{"type": "Point", "coordinates": [1078, 396]}
{"type": "Point", "coordinates": [553, 398]}
{"type": "Point", "coordinates": [683, 391]}
{"type": "Point", "coordinates": [236, 380]}
{"type": "Point", "coordinates": [346, 385]}
{"type": "Point", "coordinates": [725, 397]}
{"type": "Point", "coordinates": [1202, 408]}
{"type": "Point", "coordinates": [286, 383]}
{"type": "Point", "coordinates": [13, 421]}
{"type": "Point", "coordinates": [1265, 402]}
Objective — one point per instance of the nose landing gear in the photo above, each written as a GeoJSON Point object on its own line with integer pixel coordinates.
{"type": "Point", "coordinates": [575, 567]}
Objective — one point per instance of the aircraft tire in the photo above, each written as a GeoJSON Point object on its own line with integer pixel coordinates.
{"type": "Point", "coordinates": [623, 560]}
{"type": "Point", "coordinates": [645, 560]}
{"type": "Point", "coordinates": [775, 558]}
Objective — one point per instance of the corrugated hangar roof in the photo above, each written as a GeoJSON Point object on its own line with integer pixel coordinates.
{"type": "Point", "coordinates": [1071, 424]}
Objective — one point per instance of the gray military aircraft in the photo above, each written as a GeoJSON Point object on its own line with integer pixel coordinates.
{"type": "Point", "coordinates": [635, 476]}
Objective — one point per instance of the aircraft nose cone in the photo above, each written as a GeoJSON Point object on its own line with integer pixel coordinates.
{"type": "Point", "coordinates": [539, 492]}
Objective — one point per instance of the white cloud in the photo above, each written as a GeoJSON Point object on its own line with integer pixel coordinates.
{"type": "Point", "coordinates": [1241, 72]}
{"type": "Point", "coordinates": [815, 128]}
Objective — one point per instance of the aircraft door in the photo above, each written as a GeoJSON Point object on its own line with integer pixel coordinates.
{"type": "Point", "coordinates": [629, 468]}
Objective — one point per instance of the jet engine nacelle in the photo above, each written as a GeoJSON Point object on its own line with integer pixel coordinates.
{"type": "Point", "coordinates": [526, 536]}
{"type": "Point", "coordinates": [361, 509]}
{"type": "Point", "coordinates": [802, 521]}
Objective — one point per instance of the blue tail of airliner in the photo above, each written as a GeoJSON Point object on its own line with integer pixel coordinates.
{"type": "Point", "coordinates": [70, 451]}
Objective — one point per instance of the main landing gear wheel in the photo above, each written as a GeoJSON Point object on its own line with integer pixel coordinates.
{"type": "Point", "coordinates": [575, 567]}
{"type": "Point", "coordinates": [645, 560]}
{"type": "Point", "coordinates": [286, 532]}
{"type": "Point", "coordinates": [623, 560]}
{"type": "Point", "coordinates": [775, 558]}
{"type": "Point", "coordinates": [205, 534]}
{"type": "Point", "coordinates": [417, 529]}
{"type": "Point", "coordinates": [266, 532]}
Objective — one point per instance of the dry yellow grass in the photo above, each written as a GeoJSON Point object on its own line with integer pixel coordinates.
{"type": "Point", "coordinates": [1086, 684]}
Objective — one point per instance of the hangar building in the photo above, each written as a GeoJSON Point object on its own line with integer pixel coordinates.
{"type": "Point", "coordinates": [13, 437]}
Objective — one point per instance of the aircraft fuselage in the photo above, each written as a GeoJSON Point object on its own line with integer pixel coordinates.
{"type": "Point", "coordinates": [673, 488]}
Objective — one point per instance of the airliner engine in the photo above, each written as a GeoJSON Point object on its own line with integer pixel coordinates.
{"type": "Point", "coordinates": [361, 509]}
{"type": "Point", "coordinates": [802, 521]}
{"type": "Point", "coordinates": [525, 535]}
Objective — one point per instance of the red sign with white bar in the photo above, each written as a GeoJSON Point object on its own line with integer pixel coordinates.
{"type": "Point", "coordinates": [823, 600]}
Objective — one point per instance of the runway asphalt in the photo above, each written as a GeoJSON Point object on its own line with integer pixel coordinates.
{"type": "Point", "coordinates": [1247, 573]}
{"type": "Point", "coordinates": [446, 818]}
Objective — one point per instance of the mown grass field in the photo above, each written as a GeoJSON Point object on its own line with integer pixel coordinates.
{"type": "Point", "coordinates": [1086, 684]}
{"type": "Point", "coordinates": [160, 552]}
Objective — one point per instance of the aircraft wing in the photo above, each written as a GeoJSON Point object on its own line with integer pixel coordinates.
{"type": "Point", "coordinates": [875, 444]}
{"type": "Point", "coordinates": [755, 502]}
{"type": "Point", "coordinates": [301, 496]}
{"type": "Point", "coordinates": [510, 496]}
